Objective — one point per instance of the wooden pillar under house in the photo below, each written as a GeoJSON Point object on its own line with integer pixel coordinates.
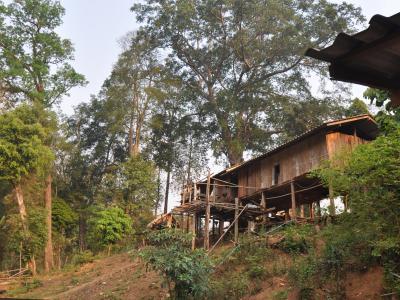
{"type": "Point", "coordinates": [213, 226]}
{"type": "Point", "coordinates": [194, 231]}
{"type": "Point", "coordinates": [302, 210]}
{"type": "Point", "coordinates": [220, 227]}
{"type": "Point", "coordinates": [293, 196]}
{"type": "Point", "coordinates": [236, 231]}
{"type": "Point", "coordinates": [311, 209]}
{"type": "Point", "coordinates": [263, 205]}
{"type": "Point", "coordinates": [207, 216]}
{"type": "Point", "coordinates": [187, 223]}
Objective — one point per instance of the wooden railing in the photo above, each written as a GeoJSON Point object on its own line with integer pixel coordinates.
{"type": "Point", "coordinates": [13, 274]}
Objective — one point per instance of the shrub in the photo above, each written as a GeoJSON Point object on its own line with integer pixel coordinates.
{"type": "Point", "coordinates": [109, 226]}
{"type": "Point", "coordinates": [302, 274]}
{"type": "Point", "coordinates": [297, 239]}
{"type": "Point", "coordinates": [231, 285]}
{"type": "Point", "coordinates": [280, 295]}
{"type": "Point", "coordinates": [169, 252]}
{"type": "Point", "coordinates": [83, 258]}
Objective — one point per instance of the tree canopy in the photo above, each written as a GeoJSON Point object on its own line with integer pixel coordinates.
{"type": "Point", "coordinates": [244, 60]}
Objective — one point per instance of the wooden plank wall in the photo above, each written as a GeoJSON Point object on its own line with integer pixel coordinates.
{"type": "Point", "coordinates": [337, 141]}
{"type": "Point", "coordinates": [295, 160]}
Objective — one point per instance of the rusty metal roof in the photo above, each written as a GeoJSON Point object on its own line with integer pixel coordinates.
{"type": "Point", "coordinates": [370, 57]}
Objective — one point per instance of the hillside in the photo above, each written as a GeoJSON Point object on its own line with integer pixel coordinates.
{"type": "Point", "coordinates": [114, 277]}
{"type": "Point", "coordinates": [257, 269]}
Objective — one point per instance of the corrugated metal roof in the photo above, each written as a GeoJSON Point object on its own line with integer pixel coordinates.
{"type": "Point", "coordinates": [370, 57]}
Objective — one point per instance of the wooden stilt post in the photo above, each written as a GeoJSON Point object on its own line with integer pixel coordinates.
{"type": "Point", "coordinates": [292, 191]}
{"type": "Point", "coordinates": [236, 220]}
{"type": "Point", "coordinates": [332, 209]}
{"type": "Point", "coordinates": [312, 211]}
{"type": "Point", "coordinates": [194, 231]}
{"type": "Point", "coordinates": [302, 210]}
{"type": "Point", "coordinates": [263, 205]}
{"type": "Point", "coordinates": [207, 217]}
{"type": "Point", "coordinates": [187, 222]}
{"type": "Point", "coordinates": [220, 227]}
{"type": "Point", "coordinates": [213, 226]}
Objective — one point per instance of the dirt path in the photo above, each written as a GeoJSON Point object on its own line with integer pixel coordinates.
{"type": "Point", "coordinates": [115, 277]}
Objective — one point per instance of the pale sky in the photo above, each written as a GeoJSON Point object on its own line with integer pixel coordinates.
{"type": "Point", "coordinates": [96, 26]}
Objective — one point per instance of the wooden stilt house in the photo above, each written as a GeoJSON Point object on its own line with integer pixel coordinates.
{"type": "Point", "coordinates": [273, 186]}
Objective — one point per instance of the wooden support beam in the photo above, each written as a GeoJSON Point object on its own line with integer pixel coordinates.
{"type": "Point", "coordinates": [293, 194]}
{"type": "Point", "coordinates": [220, 227]}
{"type": "Point", "coordinates": [187, 222]}
{"type": "Point", "coordinates": [311, 211]}
{"type": "Point", "coordinates": [263, 205]}
{"type": "Point", "coordinates": [236, 237]}
{"type": "Point", "coordinates": [302, 211]}
{"type": "Point", "coordinates": [213, 226]}
{"type": "Point", "coordinates": [235, 221]}
{"type": "Point", "coordinates": [207, 217]}
{"type": "Point", "coordinates": [250, 226]}
{"type": "Point", "coordinates": [194, 231]}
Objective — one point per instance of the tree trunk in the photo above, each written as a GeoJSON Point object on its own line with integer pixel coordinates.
{"type": "Point", "coordinates": [32, 265]}
{"type": "Point", "coordinates": [21, 205]}
{"type": "Point", "coordinates": [167, 192]}
{"type": "Point", "coordinates": [130, 137]}
{"type": "Point", "coordinates": [158, 192]}
{"type": "Point", "coordinates": [22, 213]}
{"type": "Point", "coordinates": [136, 145]}
{"type": "Point", "coordinates": [82, 232]}
{"type": "Point", "coordinates": [234, 157]}
{"type": "Point", "coordinates": [48, 250]}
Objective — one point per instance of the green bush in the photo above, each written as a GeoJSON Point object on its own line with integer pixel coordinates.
{"type": "Point", "coordinates": [169, 252]}
{"type": "Point", "coordinates": [83, 258]}
{"type": "Point", "coordinates": [303, 275]}
{"type": "Point", "coordinates": [229, 286]}
{"type": "Point", "coordinates": [108, 226]}
{"type": "Point", "coordinates": [369, 176]}
{"type": "Point", "coordinates": [297, 239]}
{"type": "Point", "coordinates": [280, 295]}
{"type": "Point", "coordinates": [346, 247]}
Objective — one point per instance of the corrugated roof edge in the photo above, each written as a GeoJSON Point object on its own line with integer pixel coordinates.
{"type": "Point", "coordinates": [388, 22]}
{"type": "Point", "coordinates": [296, 139]}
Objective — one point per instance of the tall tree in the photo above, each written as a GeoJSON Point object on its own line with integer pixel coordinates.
{"type": "Point", "coordinates": [131, 86]}
{"type": "Point", "coordinates": [176, 141]}
{"type": "Point", "coordinates": [22, 152]}
{"type": "Point", "coordinates": [34, 65]}
{"type": "Point", "coordinates": [243, 58]}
